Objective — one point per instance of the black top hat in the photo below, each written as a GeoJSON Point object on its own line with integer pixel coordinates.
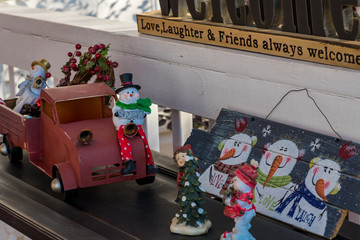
{"type": "Point", "coordinates": [126, 82]}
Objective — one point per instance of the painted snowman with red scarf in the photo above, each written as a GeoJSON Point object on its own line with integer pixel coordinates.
{"type": "Point", "coordinates": [238, 202]}
{"type": "Point", "coordinates": [131, 109]}
{"type": "Point", "coordinates": [234, 151]}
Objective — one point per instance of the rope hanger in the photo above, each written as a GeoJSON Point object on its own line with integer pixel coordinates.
{"type": "Point", "coordinates": [307, 92]}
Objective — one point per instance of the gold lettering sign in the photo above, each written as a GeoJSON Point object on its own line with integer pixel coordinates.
{"type": "Point", "coordinates": [330, 51]}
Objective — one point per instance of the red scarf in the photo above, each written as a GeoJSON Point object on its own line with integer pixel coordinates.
{"type": "Point", "coordinates": [227, 169]}
{"type": "Point", "coordinates": [235, 210]}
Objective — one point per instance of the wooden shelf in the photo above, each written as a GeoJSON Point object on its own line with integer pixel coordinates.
{"type": "Point", "coordinates": [115, 211]}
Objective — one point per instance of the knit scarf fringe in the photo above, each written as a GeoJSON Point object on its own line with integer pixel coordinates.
{"type": "Point", "coordinates": [275, 181]}
{"type": "Point", "coordinates": [141, 104]}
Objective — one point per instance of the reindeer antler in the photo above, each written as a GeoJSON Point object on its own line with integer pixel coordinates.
{"type": "Point", "coordinates": [240, 124]}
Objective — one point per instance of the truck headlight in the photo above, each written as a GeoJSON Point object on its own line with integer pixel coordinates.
{"type": "Point", "coordinates": [85, 136]}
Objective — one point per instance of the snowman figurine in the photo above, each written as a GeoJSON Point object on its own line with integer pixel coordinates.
{"type": "Point", "coordinates": [237, 200]}
{"type": "Point", "coordinates": [129, 110]}
{"type": "Point", "coordinates": [30, 88]}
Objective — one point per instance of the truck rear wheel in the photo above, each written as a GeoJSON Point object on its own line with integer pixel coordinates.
{"type": "Point", "coordinates": [15, 154]}
{"type": "Point", "coordinates": [145, 180]}
{"type": "Point", "coordinates": [58, 187]}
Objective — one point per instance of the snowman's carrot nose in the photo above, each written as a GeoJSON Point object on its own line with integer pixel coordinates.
{"type": "Point", "coordinates": [320, 189]}
{"type": "Point", "coordinates": [274, 166]}
{"type": "Point", "coordinates": [228, 154]}
{"type": "Point", "coordinates": [131, 94]}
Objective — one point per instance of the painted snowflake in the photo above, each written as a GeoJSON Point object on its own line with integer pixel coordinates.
{"type": "Point", "coordinates": [266, 131]}
{"type": "Point", "coordinates": [315, 145]}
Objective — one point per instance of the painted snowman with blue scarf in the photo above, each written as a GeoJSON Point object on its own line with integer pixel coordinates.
{"type": "Point", "coordinates": [306, 206]}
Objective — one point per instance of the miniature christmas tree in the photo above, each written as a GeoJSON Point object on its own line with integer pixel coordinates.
{"type": "Point", "coordinates": [192, 218]}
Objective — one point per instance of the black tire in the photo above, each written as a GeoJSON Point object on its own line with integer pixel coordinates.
{"type": "Point", "coordinates": [15, 154]}
{"type": "Point", "coordinates": [145, 180]}
{"type": "Point", "coordinates": [68, 195]}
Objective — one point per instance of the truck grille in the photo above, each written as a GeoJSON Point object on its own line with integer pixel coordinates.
{"type": "Point", "coordinates": [107, 171]}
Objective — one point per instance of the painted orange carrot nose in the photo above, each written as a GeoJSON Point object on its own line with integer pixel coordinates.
{"type": "Point", "coordinates": [131, 95]}
{"type": "Point", "coordinates": [320, 189]}
{"type": "Point", "coordinates": [228, 154]}
{"type": "Point", "coordinates": [275, 165]}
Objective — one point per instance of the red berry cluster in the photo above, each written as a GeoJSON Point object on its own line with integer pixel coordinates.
{"type": "Point", "coordinates": [95, 62]}
{"type": "Point", "coordinates": [48, 75]}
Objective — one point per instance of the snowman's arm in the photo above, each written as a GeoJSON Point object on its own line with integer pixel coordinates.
{"type": "Point", "coordinates": [227, 201]}
{"type": "Point", "coordinates": [119, 112]}
{"type": "Point", "coordinates": [323, 212]}
{"type": "Point", "coordinates": [144, 113]}
{"type": "Point", "coordinates": [281, 200]}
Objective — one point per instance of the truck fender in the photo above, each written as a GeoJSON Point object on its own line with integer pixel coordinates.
{"type": "Point", "coordinates": [67, 175]}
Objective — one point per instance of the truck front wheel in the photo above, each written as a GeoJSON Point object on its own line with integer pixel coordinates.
{"type": "Point", "coordinates": [14, 153]}
{"type": "Point", "coordinates": [58, 187]}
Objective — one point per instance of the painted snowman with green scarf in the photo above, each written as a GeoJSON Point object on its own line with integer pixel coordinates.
{"type": "Point", "coordinates": [131, 109]}
{"type": "Point", "coordinates": [276, 164]}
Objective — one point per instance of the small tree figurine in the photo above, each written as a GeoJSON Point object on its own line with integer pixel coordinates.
{"type": "Point", "coordinates": [191, 218]}
{"type": "Point", "coordinates": [94, 63]}
{"type": "Point", "coordinates": [237, 200]}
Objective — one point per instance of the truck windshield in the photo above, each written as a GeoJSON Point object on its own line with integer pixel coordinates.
{"type": "Point", "coordinates": [82, 109]}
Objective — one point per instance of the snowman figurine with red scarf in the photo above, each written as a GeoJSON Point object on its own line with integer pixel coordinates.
{"type": "Point", "coordinates": [237, 200]}
{"type": "Point", "coordinates": [131, 109]}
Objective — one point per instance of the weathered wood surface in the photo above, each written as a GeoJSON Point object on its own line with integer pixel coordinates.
{"type": "Point", "coordinates": [309, 157]}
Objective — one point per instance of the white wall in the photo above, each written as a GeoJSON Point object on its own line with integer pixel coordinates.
{"type": "Point", "coordinates": [123, 10]}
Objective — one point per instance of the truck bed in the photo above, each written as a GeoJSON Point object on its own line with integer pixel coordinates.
{"type": "Point", "coordinates": [22, 131]}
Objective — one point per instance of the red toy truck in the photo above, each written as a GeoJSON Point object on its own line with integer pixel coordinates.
{"type": "Point", "coordinates": [74, 142]}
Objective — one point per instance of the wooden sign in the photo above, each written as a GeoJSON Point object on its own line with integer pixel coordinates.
{"type": "Point", "coordinates": [310, 48]}
{"type": "Point", "coordinates": [304, 178]}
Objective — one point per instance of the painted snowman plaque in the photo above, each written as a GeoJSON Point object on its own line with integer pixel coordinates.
{"type": "Point", "coordinates": [299, 175]}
